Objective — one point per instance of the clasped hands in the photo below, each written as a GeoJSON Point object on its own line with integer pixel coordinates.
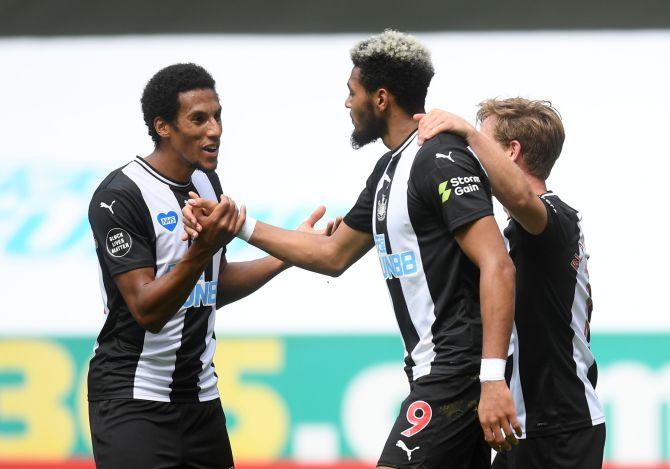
{"type": "Point", "coordinates": [216, 224]}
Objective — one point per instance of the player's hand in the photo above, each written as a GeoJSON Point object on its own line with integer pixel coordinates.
{"type": "Point", "coordinates": [497, 416]}
{"type": "Point", "coordinates": [437, 121]}
{"type": "Point", "coordinates": [308, 225]}
{"type": "Point", "coordinates": [222, 223]}
{"type": "Point", "coordinates": [195, 205]}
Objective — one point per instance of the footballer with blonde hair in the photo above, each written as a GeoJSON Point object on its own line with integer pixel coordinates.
{"type": "Point", "coordinates": [553, 373]}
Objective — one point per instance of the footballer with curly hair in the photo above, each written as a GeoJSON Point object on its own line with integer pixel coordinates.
{"type": "Point", "coordinates": [427, 211]}
{"type": "Point", "coordinates": [152, 389]}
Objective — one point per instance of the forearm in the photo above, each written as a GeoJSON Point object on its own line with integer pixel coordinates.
{"type": "Point", "coordinates": [240, 279]}
{"type": "Point", "coordinates": [305, 250]}
{"type": "Point", "coordinates": [496, 290]}
{"type": "Point", "coordinates": [507, 181]}
{"type": "Point", "coordinates": [159, 300]}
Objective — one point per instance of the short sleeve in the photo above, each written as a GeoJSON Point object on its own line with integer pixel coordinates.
{"type": "Point", "coordinates": [560, 224]}
{"type": "Point", "coordinates": [122, 237]}
{"type": "Point", "coordinates": [451, 181]}
{"type": "Point", "coordinates": [360, 215]}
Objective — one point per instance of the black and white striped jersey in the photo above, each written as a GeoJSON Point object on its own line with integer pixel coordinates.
{"type": "Point", "coordinates": [135, 215]}
{"type": "Point", "coordinates": [413, 202]}
{"type": "Point", "coordinates": [554, 373]}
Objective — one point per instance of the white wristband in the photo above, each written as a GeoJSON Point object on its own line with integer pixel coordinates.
{"type": "Point", "coordinates": [247, 229]}
{"type": "Point", "coordinates": [492, 369]}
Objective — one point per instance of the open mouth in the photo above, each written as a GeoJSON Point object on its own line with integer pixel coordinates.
{"type": "Point", "coordinates": [211, 149]}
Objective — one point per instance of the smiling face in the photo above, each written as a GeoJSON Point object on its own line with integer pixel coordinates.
{"type": "Point", "coordinates": [195, 133]}
{"type": "Point", "coordinates": [368, 126]}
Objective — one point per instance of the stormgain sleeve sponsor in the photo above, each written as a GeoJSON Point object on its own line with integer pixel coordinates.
{"type": "Point", "coordinates": [464, 185]}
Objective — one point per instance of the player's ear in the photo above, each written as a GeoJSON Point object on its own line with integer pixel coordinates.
{"type": "Point", "coordinates": [162, 127]}
{"type": "Point", "coordinates": [381, 99]}
{"type": "Point", "coordinates": [514, 151]}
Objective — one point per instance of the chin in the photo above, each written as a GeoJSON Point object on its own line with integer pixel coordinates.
{"type": "Point", "coordinates": [207, 166]}
{"type": "Point", "coordinates": [360, 139]}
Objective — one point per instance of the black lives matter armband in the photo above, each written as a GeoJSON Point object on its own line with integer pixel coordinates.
{"type": "Point", "coordinates": [124, 239]}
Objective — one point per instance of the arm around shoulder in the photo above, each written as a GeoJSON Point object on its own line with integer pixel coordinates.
{"type": "Point", "coordinates": [509, 183]}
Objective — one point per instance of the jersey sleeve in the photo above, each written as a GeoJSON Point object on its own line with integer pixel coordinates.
{"type": "Point", "coordinates": [451, 181]}
{"type": "Point", "coordinates": [360, 215]}
{"type": "Point", "coordinates": [120, 230]}
{"type": "Point", "coordinates": [560, 223]}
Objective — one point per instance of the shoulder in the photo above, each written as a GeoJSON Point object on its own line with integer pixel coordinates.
{"type": "Point", "coordinates": [556, 206]}
{"type": "Point", "coordinates": [116, 186]}
{"type": "Point", "coordinates": [447, 154]}
{"type": "Point", "coordinates": [562, 221]}
{"type": "Point", "coordinates": [210, 176]}
{"type": "Point", "coordinates": [202, 180]}
{"type": "Point", "coordinates": [379, 168]}
{"type": "Point", "coordinates": [117, 180]}
{"type": "Point", "coordinates": [383, 162]}
{"type": "Point", "coordinates": [445, 149]}
{"type": "Point", "coordinates": [446, 140]}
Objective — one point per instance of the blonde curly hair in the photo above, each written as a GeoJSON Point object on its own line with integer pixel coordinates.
{"type": "Point", "coordinates": [398, 62]}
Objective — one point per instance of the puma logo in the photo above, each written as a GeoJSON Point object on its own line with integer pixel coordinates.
{"type": "Point", "coordinates": [440, 155]}
{"type": "Point", "coordinates": [401, 444]}
{"type": "Point", "coordinates": [108, 207]}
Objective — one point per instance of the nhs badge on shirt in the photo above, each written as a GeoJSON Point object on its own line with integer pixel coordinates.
{"type": "Point", "coordinates": [396, 265]}
{"type": "Point", "coordinates": [168, 220]}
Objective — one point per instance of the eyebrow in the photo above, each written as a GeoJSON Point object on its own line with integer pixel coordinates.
{"type": "Point", "coordinates": [202, 111]}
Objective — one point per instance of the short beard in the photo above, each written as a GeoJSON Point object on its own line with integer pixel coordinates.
{"type": "Point", "coordinates": [371, 129]}
{"type": "Point", "coordinates": [199, 167]}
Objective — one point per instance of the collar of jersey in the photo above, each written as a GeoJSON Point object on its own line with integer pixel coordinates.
{"type": "Point", "coordinates": [404, 144]}
{"type": "Point", "coordinates": [151, 170]}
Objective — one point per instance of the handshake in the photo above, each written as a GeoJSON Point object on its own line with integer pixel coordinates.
{"type": "Point", "coordinates": [214, 224]}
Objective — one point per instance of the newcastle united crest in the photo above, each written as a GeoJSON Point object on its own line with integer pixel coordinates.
{"type": "Point", "coordinates": [381, 208]}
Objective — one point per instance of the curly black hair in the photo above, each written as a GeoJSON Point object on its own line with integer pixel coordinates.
{"type": "Point", "coordinates": [397, 62]}
{"type": "Point", "coordinates": [160, 97]}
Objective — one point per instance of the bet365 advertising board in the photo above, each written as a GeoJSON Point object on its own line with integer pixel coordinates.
{"type": "Point", "coordinates": [309, 397]}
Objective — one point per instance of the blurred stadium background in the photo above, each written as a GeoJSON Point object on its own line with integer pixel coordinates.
{"type": "Point", "coordinates": [310, 367]}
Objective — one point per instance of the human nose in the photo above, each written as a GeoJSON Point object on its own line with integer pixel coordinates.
{"type": "Point", "coordinates": [214, 129]}
{"type": "Point", "coordinates": [347, 102]}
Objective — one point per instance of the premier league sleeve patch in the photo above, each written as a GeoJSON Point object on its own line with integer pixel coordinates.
{"type": "Point", "coordinates": [118, 242]}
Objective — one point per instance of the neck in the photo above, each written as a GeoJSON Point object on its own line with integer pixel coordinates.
{"type": "Point", "coordinates": [538, 186]}
{"type": "Point", "coordinates": [167, 162]}
{"type": "Point", "coordinates": [399, 126]}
